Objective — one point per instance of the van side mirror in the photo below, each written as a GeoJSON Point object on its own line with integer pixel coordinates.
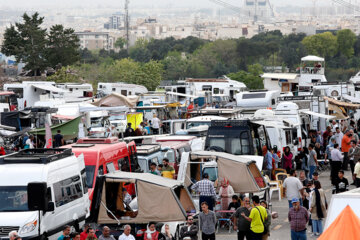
{"type": "Point", "coordinates": [51, 207]}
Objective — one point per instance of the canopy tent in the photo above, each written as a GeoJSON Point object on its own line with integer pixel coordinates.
{"type": "Point", "coordinates": [312, 58]}
{"type": "Point", "coordinates": [345, 226]}
{"type": "Point", "coordinates": [116, 99]}
{"type": "Point", "coordinates": [68, 129]}
{"type": "Point", "coordinates": [315, 114]}
{"type": "Point", "coordinates": [242, 172]}
{"type": "Point", "coordinates": [49, 88]}
{"type": "Point", "coordinates": [342, 104]}
{"type": "Point", "coordinates": [159, 199]}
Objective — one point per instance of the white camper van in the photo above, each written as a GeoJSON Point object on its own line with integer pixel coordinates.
{"type": "Point", "coordinates": [64, 175]}
{"type": "Point", "coordinates": [125, 89]}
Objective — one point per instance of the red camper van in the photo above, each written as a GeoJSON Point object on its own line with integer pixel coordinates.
{"type": "Point", "coordinates": [105, 155]}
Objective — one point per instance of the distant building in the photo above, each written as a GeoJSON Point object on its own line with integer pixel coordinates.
{"type": "Point", "coordinates": [95, 40]}
{"type": "Point", "coordinates": [116, 21]}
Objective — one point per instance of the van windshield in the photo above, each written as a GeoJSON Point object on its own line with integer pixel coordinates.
{"type": "Point", "coordinates": [196, 124]}
{"type": "Point", "coordinates": [13, 199]}
{"type": "Point", "coordinates": [90, 171]}
{"type": "Point", "coordinates": [212, 172]}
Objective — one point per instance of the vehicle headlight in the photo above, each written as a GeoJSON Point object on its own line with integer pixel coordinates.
{"type": "Point", "coordinates": [29, 227]}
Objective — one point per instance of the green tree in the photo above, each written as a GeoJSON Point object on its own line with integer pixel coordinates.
{"type": "Point", "coordinates": [139, 52]}
{"type": "Point", "coordinates": [27, 42]}
{"type": "Point", "coordinates": [175, 67]}
{"type": "Point", "coordinates": [120, 43]}
{"type": "Point", "coordinates": [62, 47]}
{"type": "Point", "coordinates": [251, 78]}
{"type": "Point", "coordinates": [346, 40]}
{"type": "Point", "coordinates": [64, 75]}
{"type": "Point", "coordinates": [322, 44]}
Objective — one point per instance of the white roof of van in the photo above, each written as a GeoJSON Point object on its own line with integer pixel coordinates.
{"type": "Point", "coordinates": [205, 118]}
{"type": "Point", "coordinates": [21, 176]}
{"type": "Point", "coordinates": [290, 76]}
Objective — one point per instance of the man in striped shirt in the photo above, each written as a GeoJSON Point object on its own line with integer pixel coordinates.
{"type": "Point", "coordinates": [207, 191]}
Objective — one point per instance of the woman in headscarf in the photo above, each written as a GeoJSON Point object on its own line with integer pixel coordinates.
{"type": "Point", "coordinates": [318, 208]}
{"type": "Point", "coordinates": [151, 233]}
{"type": "Point", "coordinates": [226, 192]}
{"type": "Point", "coordinates": [287, 159]}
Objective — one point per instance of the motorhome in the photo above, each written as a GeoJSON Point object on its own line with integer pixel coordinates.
{"type": "Point", "coordinates": [67, 194]}
{"type": "Point", "coordinates": [238, 137]}
{"type": "Point", "coordinates": [76, 90]}
{"type": "Point", "coordinates": [125, 89]}
{"type": "Point", "coordinates": [29, 92]}
{"type": "Point", "coordinates": [105, 155]}
{"type": "Point", "coordinates": [254, 100]}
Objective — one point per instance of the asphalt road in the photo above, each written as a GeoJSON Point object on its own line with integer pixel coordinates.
{"type": "Point", "coordinates": [280, 228]}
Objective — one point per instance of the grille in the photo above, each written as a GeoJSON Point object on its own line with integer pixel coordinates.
{"type": "Point", "coordinates": [5, 230]}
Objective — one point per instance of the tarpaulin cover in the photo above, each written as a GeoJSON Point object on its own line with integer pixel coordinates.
{"type": "Point", "coordinates": [18, 119]}
{"type": "Point", "coordinates": [115, 99]}
{"type": "Point", "coordinates": [345, 227]}
{"type": "Point", "coordinates": [342, 104]}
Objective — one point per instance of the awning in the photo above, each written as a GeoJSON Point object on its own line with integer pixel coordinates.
{"type": "Point", "coordinates": [281, 76]}
{"type": "Point", "coordinates": [339, 114]}
{"type": "Point", "coordinates": [342, 104]}
{"type": "Point", "coordinates": [320, 115]}
{"type": "Point", "coordinates": [4, 93]}
{"type": "Point", "coordinates": [351, 99]}
{"type": "Point", "coordinates": [313, 58]}
{"type": "Point", "coordinates": [49, 88]}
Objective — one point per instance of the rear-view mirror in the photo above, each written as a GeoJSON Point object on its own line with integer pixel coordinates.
{"type": "Point", "coordinates": [51, 207]}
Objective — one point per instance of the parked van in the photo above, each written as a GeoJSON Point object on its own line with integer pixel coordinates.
{"type": "Point", "coordinates": [148, 153]}
{"type": "Point", "coordinates": [202, 120]}
{"type": "Point", "coordinates": [105, 155]}
{"type": "Point", "coordinates": [67, 193]}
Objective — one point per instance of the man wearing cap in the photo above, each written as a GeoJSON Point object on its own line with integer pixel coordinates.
{"type": "Point", "coordinates": [298, 217]}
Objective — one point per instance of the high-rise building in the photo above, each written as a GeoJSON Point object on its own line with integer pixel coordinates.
{"type": "Point", "coordinates": [116, 21]}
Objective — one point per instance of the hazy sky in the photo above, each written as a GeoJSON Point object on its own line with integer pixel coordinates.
{"type": "Point", "coordinates": [145, 3]}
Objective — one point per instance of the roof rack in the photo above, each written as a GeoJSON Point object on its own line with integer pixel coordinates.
{"type": "Point", "coordinates": [36, 155]}
{"type": "Point", "coordinates": [147, 149]}
{"type": "Point", "coordinates": [232, 123]}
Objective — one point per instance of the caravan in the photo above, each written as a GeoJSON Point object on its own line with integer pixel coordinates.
{"type": "Point", "coordinates": [125, 89]}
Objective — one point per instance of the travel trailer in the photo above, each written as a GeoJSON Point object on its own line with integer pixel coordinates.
{"type": "Point", "coordinates": [257, 99]}
{"type": "Point", "coordinates": [29, 92]}
{"type": "Point", "coordinates": [65, 191]}
{"type": "Point", "coordinates": [125, 89]}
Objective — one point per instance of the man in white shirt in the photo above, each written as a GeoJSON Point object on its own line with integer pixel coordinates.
{"type": "Point", "coordinates": [338, 136]}
{"type": "Point", "coordinates": [126, 234]}
{"type": "Point", "coordinates": [334, 126]}
{"type": "Point", "coordinates": [293, 188]}
{"type": "Point", "coordinates": [336, 162]}
{"type": "Point", "coordinates": [156, 124]}
{"type": "Point", "coordinates": [30, 142]}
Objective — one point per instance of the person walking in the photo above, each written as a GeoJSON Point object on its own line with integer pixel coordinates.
{"type": "Point", "coordinates": [318, 208]}
{"type": "Point", "coordinates": [345, 147]}
{"type": "Point", "coordinates": [336, 159]}
{"type": "Point", "coordinates": [354, 156]}
{"type": "Point", "coordinates": [298, 217]}
{"type": "Point", "coordinates": [58, 139]}
{"type": "Point", "coordinates": [257, 217]}
{"type": "Point", "coordinates": [155, 124]}
{"type": "Point", "coordinates": [338, 136]}
{"type": "Point", "coordinates": [207, 220]}
{"type": "Point", "coordinates": [287, 159]}
{"type": "Point", "coordinates": [313, 162]}
{"type": "Point", "coordinates": [126, 235]}
{"type": "Point", "coordinates": [190, 230]}
{"type": "Point", "coordinates": [242, 225]}
{"type": "Point", "coordinates": [207, 191]}
{"type": "Point", "coordinates": [293, 188]}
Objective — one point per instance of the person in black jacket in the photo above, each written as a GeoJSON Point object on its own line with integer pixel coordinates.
{"type": "Point", "coordinates": [189, 231]}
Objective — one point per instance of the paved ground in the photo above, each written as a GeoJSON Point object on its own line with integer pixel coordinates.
{"type": "Point", "coordinates": [280, 228]}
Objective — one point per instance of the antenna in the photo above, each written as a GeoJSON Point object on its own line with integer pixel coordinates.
{"type": "Point", "coordinates": [127, 23]}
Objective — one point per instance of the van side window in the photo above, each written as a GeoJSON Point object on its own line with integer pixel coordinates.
{"type": "Point", "coordinates": [123, 164]}
{"type": "Point", "coordinates": [245, 144]}
{"type": "Point", "coordinates": [67, 190]}
{"type": "Point", "coordinates": [83, 179]}
{"type": "Point", "coordinates": [110, 167]}
{"type": "Point", "coordinates": [101, 170]}
{"type": "Point", "coordinates": [48, 193]}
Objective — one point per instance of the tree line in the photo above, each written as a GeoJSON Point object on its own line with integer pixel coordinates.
{"type": "Point", "coordinates": [147, 62]}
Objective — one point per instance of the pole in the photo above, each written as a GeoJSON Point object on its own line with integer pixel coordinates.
{"type": "Point", "coordinates": [39, 232]}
